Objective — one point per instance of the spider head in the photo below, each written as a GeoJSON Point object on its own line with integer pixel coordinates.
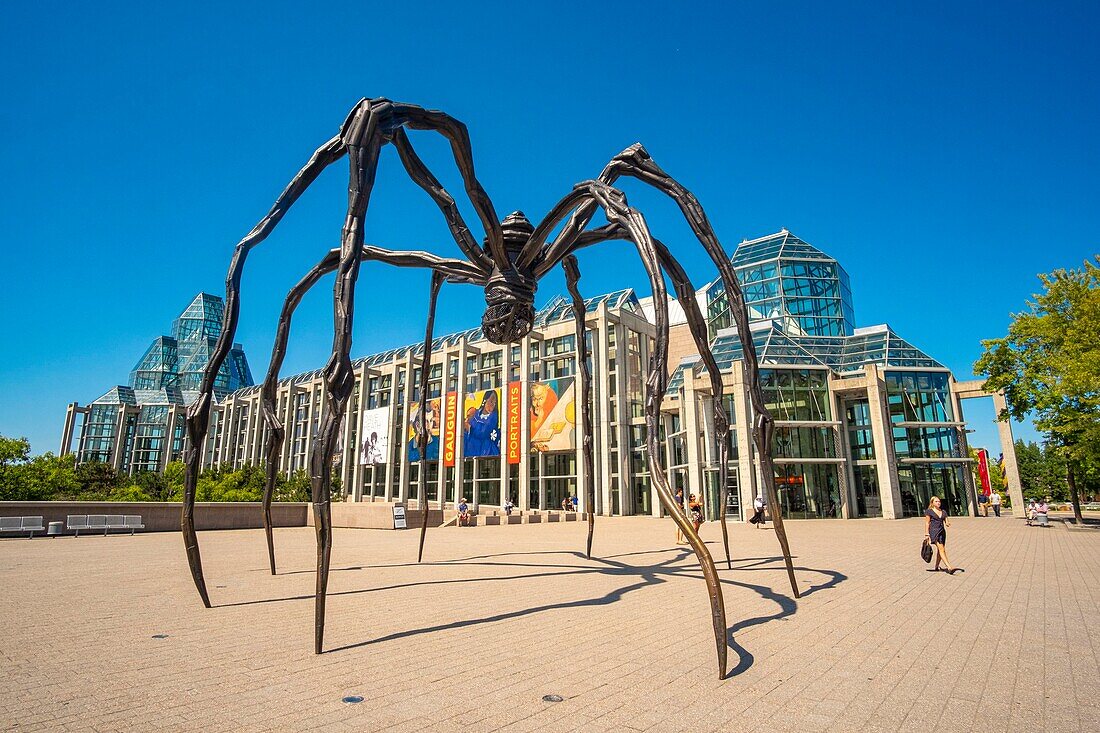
{"type": "Point", "coordinates": [510, 294]}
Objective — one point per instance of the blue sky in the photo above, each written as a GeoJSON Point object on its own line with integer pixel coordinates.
{"type": "Point", "coordinates": [945, 153]}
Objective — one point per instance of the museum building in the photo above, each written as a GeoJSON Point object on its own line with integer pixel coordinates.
{"type": "Point", "coordinates": [867, 424]}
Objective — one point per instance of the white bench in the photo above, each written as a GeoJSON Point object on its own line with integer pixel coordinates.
{"type": "Point", "coordinates": [21, 524]}
{"type": "Point", "coordinates": [106, 522]}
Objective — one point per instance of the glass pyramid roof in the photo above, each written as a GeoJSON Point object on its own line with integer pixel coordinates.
{"type": "Point", "coordinates": [840, 354]}
{"type": "Point", "coordinates": [781, 244]}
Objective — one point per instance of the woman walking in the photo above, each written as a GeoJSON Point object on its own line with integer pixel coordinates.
{"type": "Point", "coordinates": [696, 513]}
{"type": "Point", "coordinates": [935, 531]}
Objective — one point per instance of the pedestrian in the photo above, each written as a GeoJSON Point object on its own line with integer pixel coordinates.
{"type": "Point", "coordinates": [680, 505]}
{"type": "Point", "coordinates": [508, 506]}
{"type": "Point", "coordinates": [758, 511]}
{"type": "Point", "coordinates": [1030, 512]}
{"type": "Point", "coordinates": [696, 510]}
{"type": "Point", "coordinates": [983, 502]}
{"type": "Point", "coordinates": [463, 513]}
{"type": "Point", "coordinates": [995, 502]}
{"type": "Point", "coordinates": [935, 531]}
{"type": "Point", "coordinates": [575, 502]}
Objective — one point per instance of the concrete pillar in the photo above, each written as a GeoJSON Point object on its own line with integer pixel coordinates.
{"type": "Point", "coordinates": [411, 367]}
{"type": "Point", "coordinates": [969, 487]}
{"type": "Point", "coordinates": [1008, 448]}
{"type": "Point", "coordinates": [746, 466]}
{"type": "Point", "coordinates": [67, 431]}
{"type": "Point", "coordinates": [119, 447]}
{"type": "Point", "coordinates": [882, 433]}
{"type": "Point", "coordinates": [689, 422]}
{"type": "Point", "coordinates": [601, 425]}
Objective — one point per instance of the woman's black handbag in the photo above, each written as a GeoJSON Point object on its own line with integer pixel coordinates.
{"type": "Point", "coordinates": [926, 550]}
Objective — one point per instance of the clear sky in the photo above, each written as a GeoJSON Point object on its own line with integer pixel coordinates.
{"type": "Point", "coordinates": [945, 153]}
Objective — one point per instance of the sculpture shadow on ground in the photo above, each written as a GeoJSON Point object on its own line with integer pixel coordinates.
{"type": "Point", "coordinates": [646, 575]}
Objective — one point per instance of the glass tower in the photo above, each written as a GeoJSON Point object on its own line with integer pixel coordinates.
{"type": "Point", "coordinates": [785, 278]}
{"type": "Point", "coordinates": [139, 426]}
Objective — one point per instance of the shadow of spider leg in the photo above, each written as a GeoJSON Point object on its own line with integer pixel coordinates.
{"type": "Point", "coordinates": [613, 202]}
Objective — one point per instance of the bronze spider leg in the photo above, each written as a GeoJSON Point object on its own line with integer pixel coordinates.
{"type": "Point", "coordinates": [697, 326]}
{"type": "Point", "coordinates": [456, 270]}
{"type": "Point", "coordinates": [572, 275]}
{"type": "Point", "coordinates": [198, 415]}
{"type": "Point", "coordinates": [276, 431]}
{"type": "Point", "coordinates": [371, 124]}
{"type": "Point", "coordinates": [614, 204]}
{"type": "Point", "coordinates": [421, 423]}
{"type": "Point", "coordinates": [636, 163]}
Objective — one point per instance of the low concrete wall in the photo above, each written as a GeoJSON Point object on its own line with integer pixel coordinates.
{"type": "Point", "coordinates": [376, 515]}
{"type": "Point", "coordinates": [160, 516]}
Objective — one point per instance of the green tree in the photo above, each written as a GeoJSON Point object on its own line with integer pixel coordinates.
{"type": "Point", "coordinates": [97, 480]}
{"type": "Point", "coordinates": [1049, 365]}
{"type": "Point", "coordinates": [14, 453]}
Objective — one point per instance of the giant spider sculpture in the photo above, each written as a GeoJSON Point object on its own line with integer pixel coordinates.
{"type": "Point", "coordinates": [508, 266]}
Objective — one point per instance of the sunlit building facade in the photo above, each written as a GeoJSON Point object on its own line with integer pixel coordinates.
{"type": "Point", "coordinates": [139, 426]}
{"type": "Point", "coordinates": [867, 424]}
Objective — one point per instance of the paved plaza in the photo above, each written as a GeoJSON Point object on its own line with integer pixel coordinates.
{"type": "Point", "coordinates": [498, 617]}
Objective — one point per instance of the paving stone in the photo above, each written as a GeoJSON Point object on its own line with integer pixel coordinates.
{"type": "Point", "coordinates": [495, 618]}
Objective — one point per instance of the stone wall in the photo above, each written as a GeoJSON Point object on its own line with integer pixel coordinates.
{"type": "Point", "coordinates": [164, 516]}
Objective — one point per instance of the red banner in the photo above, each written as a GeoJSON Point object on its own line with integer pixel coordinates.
{"type": "Point", "coordinates": [450, 428]}
{"type": "Point", "coordinates": [983, 471]}
{"type": "Point", "coordinates": [514, 407]}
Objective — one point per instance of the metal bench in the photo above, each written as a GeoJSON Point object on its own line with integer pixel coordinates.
{"type": "Point", "coordinates": [76, 522]}
{"type": "Point", "coordinates": [21, 524]}
{"type": "Point", "coordinates": [106, 522]}
{"type": "Point", "coordinates": [98, 521]}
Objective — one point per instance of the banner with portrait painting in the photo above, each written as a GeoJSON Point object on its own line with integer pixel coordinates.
{"type": "Point", "coordinates": [431, 420]}
{"type": "Point", "coordinates": [553, 415]}
{"type": "Point", "coordinates": [481, 424]}
{"type": "Point", "coordinates": [374, 436]}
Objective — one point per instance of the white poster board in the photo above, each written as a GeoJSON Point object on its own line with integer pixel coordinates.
{"type": "Point", "coordinates": [399, 517]}
{"type": "Point", "coordinates": [374, 436]}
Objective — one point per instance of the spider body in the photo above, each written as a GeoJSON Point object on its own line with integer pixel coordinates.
{"type": "Point", "coordinates": [510, 290]}
{"type": "Point", "coordinates": [508, 263]}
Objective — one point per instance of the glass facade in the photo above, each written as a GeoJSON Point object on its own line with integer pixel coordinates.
{"type": "Point", "coordinates": [815, 376]}
{"type": "Point", "coordinates": [783, 277]}
{"type": "Point", "coordinates": [139, 427]}
{"type": "Point", "coordinates": [921, 418]}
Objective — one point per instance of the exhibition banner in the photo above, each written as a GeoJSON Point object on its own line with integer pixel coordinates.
{"type": "Point", "coordinates": [431, 420]}
{"type": "Point", "coordinates": [983, 471]}
{"type": "Point", "coordinates": [553, 415]}
{"type": "Point", "coordinates": [450, 428]}
{"type": "Point", "coordinates": [481, 424]}
{"type": "Point", "coordinates": [514, 407]}
{"type": "Point", "coordinates": [374, 435]}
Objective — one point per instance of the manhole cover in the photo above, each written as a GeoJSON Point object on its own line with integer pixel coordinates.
{"type": "Point", "coordinates": [353, 699]}
{"type": "Point", "coordinates": [552, 698]}
{"type": "Point", "coordinates": [160, 636]}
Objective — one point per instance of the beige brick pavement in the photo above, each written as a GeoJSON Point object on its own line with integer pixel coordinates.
{"type": "Point", "coordinates": [499, 616]}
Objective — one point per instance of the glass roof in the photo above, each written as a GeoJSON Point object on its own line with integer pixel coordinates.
{"type": "Point", "coordinates": [841, 354]}
{"type": "Point", "coordinates": [558, 309]}
{"type": "Point", "coordinates": [781, 244]}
